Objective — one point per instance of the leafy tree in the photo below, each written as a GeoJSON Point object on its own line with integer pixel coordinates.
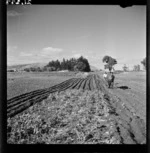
{"type": "Point", "coordinates": [44, 68]}
{"type": "Point", "coordinates": [63, 64]}
{"type": "Point", "coordinates": [72, 63]}
{"type": "Point", "coordinates": [27, 69]}
{"type": "Point", "coordinates": [80, 66]}
{"type": "Point", "coordinates": [57, 64]}
{"type": "Point", "coordinates": [110, 62]}
{"type": "Point", "coordinates": [136, 68]}
{"type": "Point", "coordinates": [87, 69]}
{"type": "Point", "coordinates": [38, 69]}
{"type": "Point", "coordinates": [144, 62]}
{"type": "Point", "coordinates": [85, 61]}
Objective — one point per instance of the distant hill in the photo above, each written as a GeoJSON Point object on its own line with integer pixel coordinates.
{"type": "Point", "coordinates": [35, 65]}
{"type": "Point", "coordinates": [19, 66]}
{"type": "Point", "coordinates": [23, 66]}
{"type": "Point", "coordinates": [93, 68]}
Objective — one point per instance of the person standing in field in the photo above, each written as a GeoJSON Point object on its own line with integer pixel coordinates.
{"type": "Point", "coordinates": [111, 79]}
{"type": "Point", "coordinates": [105, 76]}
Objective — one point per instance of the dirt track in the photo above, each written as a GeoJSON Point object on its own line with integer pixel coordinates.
{"type": "Point", "coordinates": [130, 121]}
{"type": "Point", "coordinates": [129, 127]}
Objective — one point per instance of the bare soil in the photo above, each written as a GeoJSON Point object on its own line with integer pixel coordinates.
{"type": "Point", "coordinates": [130, 88]}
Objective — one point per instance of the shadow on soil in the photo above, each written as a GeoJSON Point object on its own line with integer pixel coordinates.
{"type": "Point", "coordinates": [124, 87]}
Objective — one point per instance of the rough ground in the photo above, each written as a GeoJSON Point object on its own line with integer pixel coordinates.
{"type": "Point", "coordinates": [80, 110]}
{"type": "Point", "coordinates": [130, 88]}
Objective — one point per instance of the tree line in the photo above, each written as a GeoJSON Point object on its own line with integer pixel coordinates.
{"type": "Point", "coordinates": [73, 64]}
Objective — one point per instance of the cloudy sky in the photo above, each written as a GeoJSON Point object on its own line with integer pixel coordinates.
{"type": "Point", "coordinates": [41, 33]}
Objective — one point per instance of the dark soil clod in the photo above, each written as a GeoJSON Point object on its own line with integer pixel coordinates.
{"type": "Point", "coordinates": [124, 87]}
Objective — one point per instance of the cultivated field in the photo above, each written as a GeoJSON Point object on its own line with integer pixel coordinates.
{"type": "Point", "coordinates": [81, 110]}
{"type": "Point", "coordinates": [131, 89]}
{"type": "Point", "coordinates": [20, 83]}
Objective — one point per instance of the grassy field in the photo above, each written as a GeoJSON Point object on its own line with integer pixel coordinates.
{"type": "Point", "coordinates": [20, 83]}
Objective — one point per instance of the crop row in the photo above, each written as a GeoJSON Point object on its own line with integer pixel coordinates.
{"type": "Point", "coordinates": [34, 98]}
{"type": "Point", "coordinates": [35, 92]}
{"type": "Point", "coordinates": [22, 102]}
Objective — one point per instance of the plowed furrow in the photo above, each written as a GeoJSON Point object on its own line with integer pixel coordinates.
{"type": "Point", "coordinates": [64, 87]}
{"type": "Point", "coordinates": [87, 84]}
{"type": "Point", "coordinates": [91, 84]}
{"type": "Point", "coordinates": [15, 110]}
{"type": "Point", "coordinates": [70, 86]}
{"type": "Point", "coordinates": [84, 83]}
{"type": "Point", "coordinates": [79, 84]}
{"type": "Point", "coordinates": [39, 93]}
{"type": "Point", "coordinates": [75, 85]}
{"type": "Point", "coordinates": [36, 91]}
{"type": "Point", "coordinates": [27, 105]}
{"type": "Point", "coordinates": [34, 97]}
{"type": "Point", "coordinates": [26, 99]}
{"type": "Point", "coordinates": [94, 82]}
{"type": "Point", "coordinates": [98, 83]}
{"type": "Point", "coordinates": [23, 96]}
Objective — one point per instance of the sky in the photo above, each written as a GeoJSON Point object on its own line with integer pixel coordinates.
{"type": "Point", "coordinates": [41, 33]}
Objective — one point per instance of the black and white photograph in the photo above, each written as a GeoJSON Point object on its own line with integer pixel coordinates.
{"type": "Point", "coordinates": [76, 74]}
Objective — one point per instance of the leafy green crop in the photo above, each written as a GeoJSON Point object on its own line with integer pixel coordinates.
{"type": "Point", "coordinates": [68, 117]}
